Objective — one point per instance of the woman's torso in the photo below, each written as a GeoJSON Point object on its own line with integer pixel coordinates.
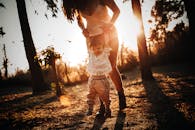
{"type": "Point", "coordinates": [97, 19]}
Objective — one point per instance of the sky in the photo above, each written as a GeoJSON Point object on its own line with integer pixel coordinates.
{"type": "Point", "coordinates": [65, 37]}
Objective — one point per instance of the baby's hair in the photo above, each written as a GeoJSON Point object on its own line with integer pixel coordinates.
{"type": "Point", "coordinates": [97, 40]}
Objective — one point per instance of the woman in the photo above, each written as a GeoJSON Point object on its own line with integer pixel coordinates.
{"type": "Point", "coordinates": [99, 22]}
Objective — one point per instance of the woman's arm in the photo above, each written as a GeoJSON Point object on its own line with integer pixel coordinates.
{"type": "Point", "coordinates": [82, 26]}
{"type": "Point", "coordinates": [80, 22]}
{"type": "Point", "coordinates": [112, 5]}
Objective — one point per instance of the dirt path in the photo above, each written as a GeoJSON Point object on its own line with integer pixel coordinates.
{"type": "Point", "coordinates": [166, 103]}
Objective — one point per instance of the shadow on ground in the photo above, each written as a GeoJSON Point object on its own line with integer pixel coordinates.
{"type": "Point", "coordinates": [168, 117]}
{"type": "Point", "coordinates": [167, 103]}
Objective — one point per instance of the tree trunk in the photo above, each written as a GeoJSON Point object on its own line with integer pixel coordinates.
{"type": "Point", "coordinates": [145, 68]}
{"type": "Point", "coordinates": [5, 62]}
{"type": "Point", "coordinates": [190, 8]}
{"type": "Point", "coordinates": [38, 84]}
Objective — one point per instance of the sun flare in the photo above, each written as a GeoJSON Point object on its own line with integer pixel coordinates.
{"type": "Point", "coordinates": [72, 46]}
{"type": "Point", "coordinates": [64, 101]}
{"type": "Point", "coordinates": [128, 35]}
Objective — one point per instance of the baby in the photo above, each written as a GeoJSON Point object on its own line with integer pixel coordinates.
{"type": "Point", "coordinates": [99, 67]}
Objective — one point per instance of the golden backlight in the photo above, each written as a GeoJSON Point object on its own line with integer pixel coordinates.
{"type": "Point", "coordinates": [65, 37]}
{"type": "Point", "coordinates": [64, 101]}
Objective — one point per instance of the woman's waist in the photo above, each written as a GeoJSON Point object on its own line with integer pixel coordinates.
{"type": "Point", "coordinates": [96, 29]}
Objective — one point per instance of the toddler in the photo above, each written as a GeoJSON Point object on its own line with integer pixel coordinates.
{"type": "Point", "coordinates": [99, 68]}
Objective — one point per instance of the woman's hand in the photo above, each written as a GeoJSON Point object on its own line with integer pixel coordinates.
{"type": "Point", "coordinates": [85, 33]}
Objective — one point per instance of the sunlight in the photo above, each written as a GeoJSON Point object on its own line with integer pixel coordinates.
{"type": "Point", "coordinates": [132, 45]}
{"type": "Point", "coordinates": [57, 62]}
{"type": "Point", "coordinates": [137, 26]}
{"type": "Point", "coordinates": [71, 46]}
{"type": "Point", "coordinates": [65, 37]}
{"type": "Point", "coordinates": [64, 100]}
{"type": "Point", "coordinates": [75, 53]}
{"type": "Point", "coordinates": [128, 35]}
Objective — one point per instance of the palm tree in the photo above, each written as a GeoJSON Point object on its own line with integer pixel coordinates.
{"type": "Point", "coordinates": [38, 84]}
{"type": "Point", "coordinates": [145, 68]}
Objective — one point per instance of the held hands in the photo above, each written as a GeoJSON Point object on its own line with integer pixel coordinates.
{"type": "Point", "coordinates": [107, 27]}
{"type": "Point", "coordinates": [82, 26]}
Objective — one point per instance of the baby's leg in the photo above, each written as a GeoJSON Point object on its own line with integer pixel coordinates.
{"type": "Point", "coordinates": [105, 96]}
{"type": "Point", "coordinates": [91, 98]}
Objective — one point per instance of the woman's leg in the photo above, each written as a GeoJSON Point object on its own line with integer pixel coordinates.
{"type": "Point", "coordinates": [116, 79]}
{"type": "Point", "coordinates": [115, 74]}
